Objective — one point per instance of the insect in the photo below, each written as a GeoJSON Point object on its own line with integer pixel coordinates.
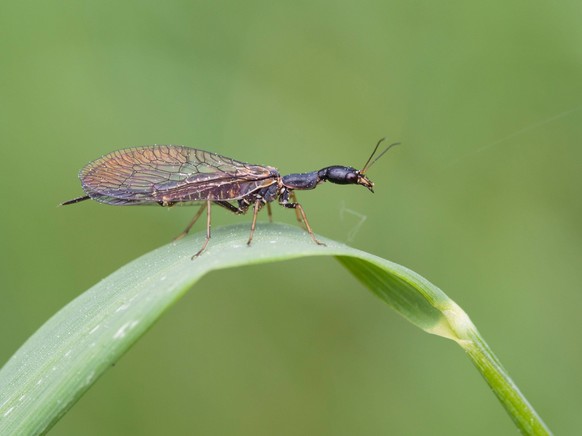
{"type": "Point", "coordinates": [166, 175]}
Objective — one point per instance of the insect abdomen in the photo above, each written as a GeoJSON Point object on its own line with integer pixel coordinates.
{"type": "Point", "coordinates": [233, 190]}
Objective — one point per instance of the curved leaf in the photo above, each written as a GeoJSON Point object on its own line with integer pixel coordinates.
{"type": "Point", "coordinates": [53, 369]}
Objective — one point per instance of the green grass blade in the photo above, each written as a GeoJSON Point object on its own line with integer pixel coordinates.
{"type": "Point", "coordinates": [53, 369]}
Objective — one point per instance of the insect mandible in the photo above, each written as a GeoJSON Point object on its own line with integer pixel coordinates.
{"type": "Point", "coordinates": [171, 174]}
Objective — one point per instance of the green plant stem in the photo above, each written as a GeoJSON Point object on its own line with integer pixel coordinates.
{"type": "Point", "coordinates": [519, 409]}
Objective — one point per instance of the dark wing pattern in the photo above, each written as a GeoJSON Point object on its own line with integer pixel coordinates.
{"type": "Point", "coordinates": [170, 174]}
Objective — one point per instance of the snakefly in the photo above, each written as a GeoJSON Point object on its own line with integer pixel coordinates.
{"type": "Point", "coordinates": [171, 174]}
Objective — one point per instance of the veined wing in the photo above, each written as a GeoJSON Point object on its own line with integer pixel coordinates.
{"type": "Point", "coordinates": [170, 173]}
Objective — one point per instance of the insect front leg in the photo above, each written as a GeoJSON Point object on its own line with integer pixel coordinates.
{"type": "Point", "coordinates": [189, 226]}
{"type": "Point", "coordinates": [284, 201]}
{"type": "Point", "coordinates": [297, 214]}
{"type": "Point", "coordinates": [208, 204]}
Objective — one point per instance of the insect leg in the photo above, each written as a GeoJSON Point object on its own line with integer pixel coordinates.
{"type": "Point", "coordinates": [208, 204]}
{"type": "Point", "coordinates": [269, 212]}
{"type": "Point", "coordinates": [298, 207]}
{"type": "Point", "coordinates": [189, 226]}
{"type": "Point", "coordinates": [254, 224]}
{"type": "Point", "coordinates": [297, 214]}
{"type": "Point", "coordinates": [231, 207]}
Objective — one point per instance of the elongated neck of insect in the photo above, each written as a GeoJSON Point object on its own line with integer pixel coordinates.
{"type": "Point", "coordinates": [302, 181]}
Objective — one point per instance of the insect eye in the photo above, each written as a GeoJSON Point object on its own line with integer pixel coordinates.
{"type": "Point", "coordinates": [351, 177]}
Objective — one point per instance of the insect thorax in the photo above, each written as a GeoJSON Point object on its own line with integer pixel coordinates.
{"type": "Point", "coordinates": [301, 181]}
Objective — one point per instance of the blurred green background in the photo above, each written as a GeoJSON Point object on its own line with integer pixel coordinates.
{"type": "Point", "coordinates": [483, 199]}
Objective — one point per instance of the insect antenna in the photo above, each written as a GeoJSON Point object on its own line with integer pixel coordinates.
{"type": "Point", "coordinates": [371, 162]}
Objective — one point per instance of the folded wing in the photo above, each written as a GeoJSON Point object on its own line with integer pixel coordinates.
{"type": "Point", "coordinates": [170, 174]}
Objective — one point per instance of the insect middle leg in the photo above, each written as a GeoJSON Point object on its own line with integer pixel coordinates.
{"type": "Point", "coordinates": [243, 207]}
{"type": "Point", "coordinates": [231, 207]}
{"type": "Point", "coordinates": [269, 212]}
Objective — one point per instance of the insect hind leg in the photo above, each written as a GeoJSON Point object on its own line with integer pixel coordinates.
{"type": "Point", "coordinates": [208, 204]}
{"type": "Point", "coordinates": [189, 226]}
